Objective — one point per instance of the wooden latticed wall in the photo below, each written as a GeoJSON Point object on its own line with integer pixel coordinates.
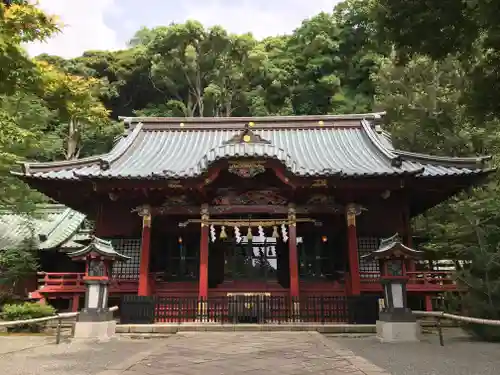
{"type": "Point", "coordinates": [365, 246]}
{"type": "Point", "coordinates": [128, 270]}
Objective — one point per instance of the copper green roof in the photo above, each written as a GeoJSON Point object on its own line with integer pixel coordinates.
{"type": "Point", "coordinates": [101, 247]}
{"type": "Point", "coordinates": [50, 226]}
{"type": "Point", "coordinates": [388, 246]}
{"type": "Point", "coordinates": [343, 146]}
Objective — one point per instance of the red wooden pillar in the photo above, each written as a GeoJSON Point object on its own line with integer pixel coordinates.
{"type": "Point", "coordinates": [428, 302]}
{"type": "Point", "coordinates": [75, 302]}
{"type": "Point", "coordinates": [293, 257]}
{"type": "Point", "coordinates": [408, 237]}
{"type": "Point", "coordinates": [204, 238]}
{"type": "Point", "coordinates": [145, 252]}
{"type": "Point", "coordinates": [352, 241]}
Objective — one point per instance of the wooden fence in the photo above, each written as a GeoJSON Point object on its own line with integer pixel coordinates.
{"type": "Point", "coordinates": [249, 309]}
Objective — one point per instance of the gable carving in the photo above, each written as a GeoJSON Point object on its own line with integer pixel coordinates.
{"type": "Point", "coordinates": [247, 136]}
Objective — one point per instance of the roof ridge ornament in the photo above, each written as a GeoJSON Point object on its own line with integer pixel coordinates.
{"type": "Point", "coordinates": [247, 136]}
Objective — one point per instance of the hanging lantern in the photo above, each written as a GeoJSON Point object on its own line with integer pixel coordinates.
{"type": "Point", "coordinates": [249, 234]}
{"type": "Point", "coordinates": [275, 232]}
{"type": "Point", "coordinates": [180, 240]}
{"type": "Point", "coordinates": [223, 234]}
{"type": "Point", "coordinates": [324, 239]}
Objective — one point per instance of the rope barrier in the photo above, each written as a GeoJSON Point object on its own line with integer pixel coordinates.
{"type": "Point", "coordinates": [58, 317]}
{"type": "Point", "coordinates": [439, 315]}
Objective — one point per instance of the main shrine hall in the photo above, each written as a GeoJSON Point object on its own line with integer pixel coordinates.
{"type": "Point", "coordinates": [288, 206]}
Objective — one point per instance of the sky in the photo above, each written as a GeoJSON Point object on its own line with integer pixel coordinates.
{"type": "Point", "coordinates": [109, 24]}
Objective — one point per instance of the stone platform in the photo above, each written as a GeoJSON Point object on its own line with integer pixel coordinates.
{"type": "Point", "coordinates": [166, 328]}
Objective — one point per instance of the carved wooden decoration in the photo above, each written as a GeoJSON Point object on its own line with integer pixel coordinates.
{"type": "Point", "coordinates": [178, 200]}
{"type": "Point", "coordinates": [246, 169]}
{"type": "Point", "coordinates": [321, 199]}
{"type": "Point", "coordinates": [259, 197]}
{"type": "Point", "coordinates": [319, 183]}
{"type": "Point", "coordinates": [246, 136]}
{"type": "Point", "coordinates": [174, 184]}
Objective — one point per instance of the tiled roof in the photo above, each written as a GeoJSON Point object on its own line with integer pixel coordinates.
{"type": "Point", "coordinates": [344, 146]}
{"type": "Point", "coordinates": [50, 226]}
{"type": "Point", "coordinates": [389, 246]}
{"type": "Point", "coordinates": [100, 246]}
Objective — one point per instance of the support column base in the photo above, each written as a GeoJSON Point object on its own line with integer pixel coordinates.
{"type": "Point", "coordinates": [95, 315]}
{"type": "Point", "coordinates": [396, 332]}
{"type": "Point", "coordinates": [95, 330]}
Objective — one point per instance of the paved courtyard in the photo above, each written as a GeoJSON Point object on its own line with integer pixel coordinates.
{"type": "Point", "coordinates": [207, 353]}
{"type": "Point", "coordinates": [214, 353]}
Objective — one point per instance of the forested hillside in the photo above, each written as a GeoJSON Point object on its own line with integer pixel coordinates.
{"type": "Point", "coordinates": [433, 66]}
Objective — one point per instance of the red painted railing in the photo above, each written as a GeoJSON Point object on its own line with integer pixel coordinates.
{"type": "Point", "coordinates": [73, 282]}
{"type": "Point", "coordinates": [441, 278]}
{"type": "Point", "coordinates": [419, 280]}
{"type": "Point", "coordinates": [60, 279]}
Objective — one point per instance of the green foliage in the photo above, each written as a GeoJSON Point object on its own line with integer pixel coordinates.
{"type": "Point", "coordinates": [17, 264]}
{"type": "Point", "coordinates": [467, 29]}
{"type": "Point", "coordinates": [25, 311]}
{"type": "Point", "coordinates": [22, 112]}
{"type": "Point", "coordinates": [187, 70]}
{"type": "Point", "coordinates": [425, 110]}
{"type": "Point", "coordinates": [437, 90]}
{"type": "Point", "coordinates": [471, 233]}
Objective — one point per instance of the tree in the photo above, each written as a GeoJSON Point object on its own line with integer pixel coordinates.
{"type": "Point", "coordinates": [20, 104]}
{"type": "Point", "coordinates": [467, 29]}
{"type": "Point", "coordinates": [427, 88]}
{"type": "Point", "coordinates": [142, 37]}
{"type": "Point", "coordinates": [76, 100]}
{"type": "Point", "coordinates": [16, 264]}
{"type": "Point", "coordinates": [425, 112]}
{"type": "Point", "coordinates": [200, 72]}
{"type": "Point", "coordinates": [470, 232]}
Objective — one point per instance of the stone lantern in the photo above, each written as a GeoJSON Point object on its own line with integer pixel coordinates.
{"type": "Point", "coordinates": [396, 322]}
{"type": "Point", "coordinates": [95, 320]}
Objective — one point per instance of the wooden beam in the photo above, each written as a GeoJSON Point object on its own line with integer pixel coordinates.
{"type": "Point", "coordinates": [242, 209]}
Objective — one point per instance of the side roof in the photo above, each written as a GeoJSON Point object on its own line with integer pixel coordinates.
{"type": "Point", "coordinates": [102, 247]}
{"type": "Point", "coordinates": [50, 226]}
{"type": "Point", "coordinates": [319, 146]}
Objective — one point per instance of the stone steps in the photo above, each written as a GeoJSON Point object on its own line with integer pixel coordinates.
{"type": "Point", "coordinates": [207, 327]}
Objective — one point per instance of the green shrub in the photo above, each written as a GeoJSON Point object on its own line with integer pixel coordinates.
{"type": "Point", "coordinates": [24, 311]}
{"type": "Point", "coordinates": [483, 332]}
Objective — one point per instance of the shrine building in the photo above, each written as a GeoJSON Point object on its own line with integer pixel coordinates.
{"type": "Point", "coordinates": [287, 206]}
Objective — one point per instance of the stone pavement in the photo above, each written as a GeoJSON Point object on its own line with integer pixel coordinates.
{"type": "Point", "coordinates": [460, 355]}
{"type": "Point", "coordinates": [207, 353]}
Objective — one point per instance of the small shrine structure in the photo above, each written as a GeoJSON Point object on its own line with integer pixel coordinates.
{"type": "Point", "coordinates": [396, 322]}
{"type": "Point", "coordinates": [95, 320]}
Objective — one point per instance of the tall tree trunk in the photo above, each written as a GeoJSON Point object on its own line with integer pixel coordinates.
{"type": "Point", "coordinates": [73, 140]}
